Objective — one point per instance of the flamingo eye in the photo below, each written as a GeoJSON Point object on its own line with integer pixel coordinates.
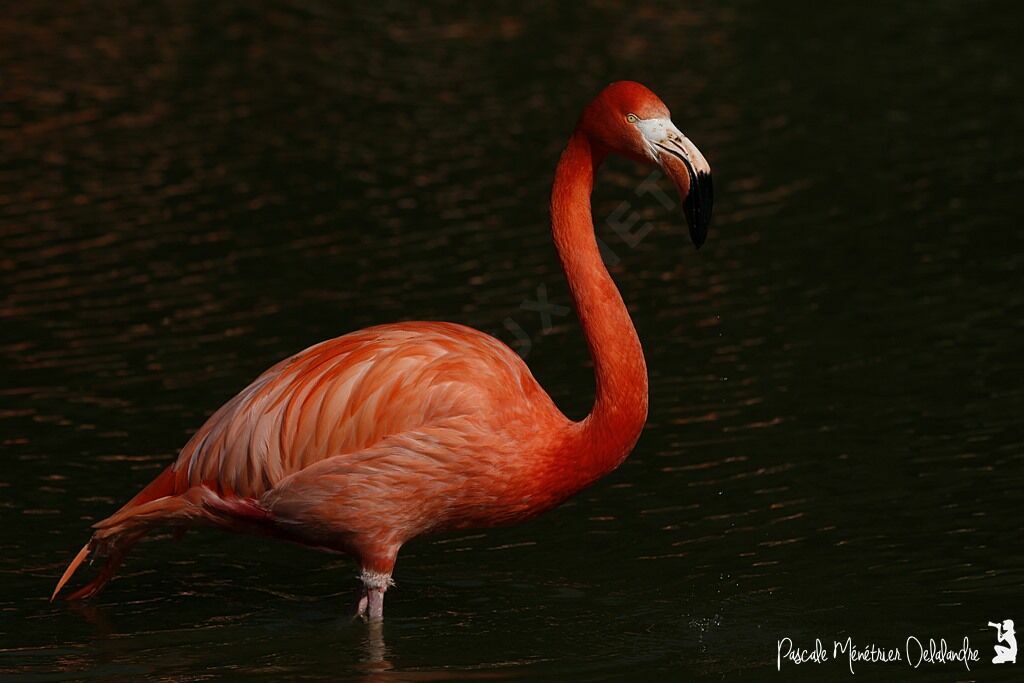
{"type": "Point", "coordinates": [632, 118]}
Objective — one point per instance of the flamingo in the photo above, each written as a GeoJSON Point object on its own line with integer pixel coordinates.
{"type": "Point", "coordinates": [362, 443]}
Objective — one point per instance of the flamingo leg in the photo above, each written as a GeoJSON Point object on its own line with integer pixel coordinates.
{"type": "Point", "coordinates": [371, 604]}
{"type": "Point", "coordinates": [361, 603]}
{"type": "Point", "coordinates": [376, 603]}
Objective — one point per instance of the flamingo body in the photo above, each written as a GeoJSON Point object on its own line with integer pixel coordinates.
{"type": "Point", "coordinates": [364, 442]}
{"type": "Point", "coordinates": [382, 435]}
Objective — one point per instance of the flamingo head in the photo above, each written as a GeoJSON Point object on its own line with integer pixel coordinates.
{"type": "Point", "coordinates": [629, 120]}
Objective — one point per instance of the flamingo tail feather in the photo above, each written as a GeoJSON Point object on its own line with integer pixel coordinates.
{"type": "Point", "coordinates": [115, 535]}
{"type": "Point", "coordinates": [72, 568]}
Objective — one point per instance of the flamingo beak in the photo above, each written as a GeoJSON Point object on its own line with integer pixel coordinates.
{"type": "Point", "coordinates": [687, 168]}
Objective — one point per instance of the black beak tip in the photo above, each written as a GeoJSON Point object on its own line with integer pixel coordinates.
{"type": "Point", "coordinates": [698, 238]}
{"type": "Point", "coordinates": [697, 207]}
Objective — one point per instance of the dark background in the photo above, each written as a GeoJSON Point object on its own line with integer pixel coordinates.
{"type": "Point", "coordinates": [191, 191]}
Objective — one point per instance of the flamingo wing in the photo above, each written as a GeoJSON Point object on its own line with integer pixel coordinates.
{"type": "Point", "coordinates": [347, 394]}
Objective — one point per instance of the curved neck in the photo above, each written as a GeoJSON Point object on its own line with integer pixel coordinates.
{"type": "Point", "coordinates": [606, 436]}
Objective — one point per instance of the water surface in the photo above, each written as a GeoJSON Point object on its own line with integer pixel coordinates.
{"type": "Point", "coordinates": [192, 191]}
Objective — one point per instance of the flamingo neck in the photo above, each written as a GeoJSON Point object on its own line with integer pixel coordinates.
{"type": "Point", "coordinates": [609, 432]}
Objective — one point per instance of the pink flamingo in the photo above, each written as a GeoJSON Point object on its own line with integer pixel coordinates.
{"type": "Point", "coordinates": [362, 443]}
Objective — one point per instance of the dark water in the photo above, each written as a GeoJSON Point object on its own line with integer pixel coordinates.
{"type": "Point", "coordinates": [191, 191]}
